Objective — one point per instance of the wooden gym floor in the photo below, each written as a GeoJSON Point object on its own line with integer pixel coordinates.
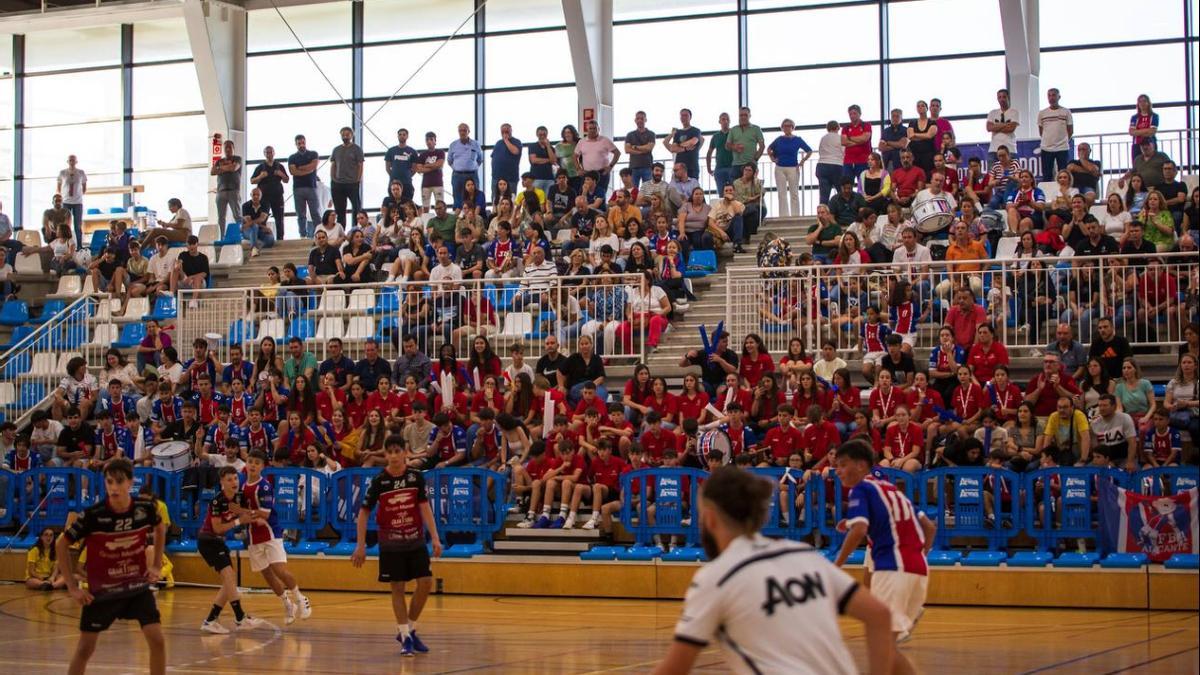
{"type": "Point", "coordinates": [353, 632]}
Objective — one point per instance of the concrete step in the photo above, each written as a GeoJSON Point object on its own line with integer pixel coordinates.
{"type": "Point", "coordinates": [531, 534]}
{"type": "Point", "coordinates": [540, 547]}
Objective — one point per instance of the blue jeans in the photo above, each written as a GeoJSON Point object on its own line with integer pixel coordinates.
{"type": "Point", "coordinates": [14, 247]}
{"type": "Point", "coordinates": [457, 179]}
{"type": "Point", "coordinates": [1053, 162]}
{"type": "Point", "coordinates": [602, 180]}
{"type": "Point", "coordinates": [723, 175]}
{"type": "Point", "coordinates": [258, 238]}
{"type": "Point", "coordinates": [736, 230]}
{"type": "Point", "coordinates": [700, 240]}
{"type": "Point", "coordinates": [828, 176]}
{"type": "Point", "coordinates": [640, 175]}
{"type": "Point", "coordinates": [576, 393]}
{"type": "Point", "coordinates": [77, 220]}
{"type": "Point", "coordinates": [308, 210]}
{"type": "Point", "coordinates": [853, 170]}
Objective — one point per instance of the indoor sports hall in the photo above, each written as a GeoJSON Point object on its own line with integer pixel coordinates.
{"type": "Point", "coordinates": [886, 309]}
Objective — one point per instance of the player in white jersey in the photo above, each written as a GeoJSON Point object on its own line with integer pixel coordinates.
{"type": "Point", "coordinates": [772, 605]}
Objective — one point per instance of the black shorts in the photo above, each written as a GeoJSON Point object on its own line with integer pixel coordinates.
{"type": "Point", "coordinates": [214, 552]}
{"type": "Point", "coordinates": [404, 565]}
{"type": "Point", "coordinates": [99, 615]}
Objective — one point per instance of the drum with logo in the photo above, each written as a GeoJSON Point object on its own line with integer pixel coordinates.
{"type": "Point", "coordinates": [172, 455]}
{"type": "Point", "coordinates": [714, 439]}
{"type": "Point", "coordinates": [933, 215]}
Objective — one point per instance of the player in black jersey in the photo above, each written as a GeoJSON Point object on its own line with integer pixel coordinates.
{"type": "Point", "coordinates": [399, 492]}
{"type": "Point", "coordinates": [119, 571]}
{"type": "Point", "coordinates": [224, 514]}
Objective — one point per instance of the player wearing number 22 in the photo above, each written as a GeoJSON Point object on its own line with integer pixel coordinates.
{"type": "Point", "coordinates": [772, 605]}
{"type": "Point", "coordinates": [402, 514]}
{"type": "Point", "coordinates": [898, 536]}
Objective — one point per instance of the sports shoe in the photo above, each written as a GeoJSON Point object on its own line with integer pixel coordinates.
{"type": "Point", "coordinates": [557, 523]}
{"type": "Point", "coordinates": [214, 628]}
{"type": "Point", "coordinates": [305, 607]}
{"type": "Point", "coordinates": [569, 523]}
{"type": "Point", "coordinates": [526, 523]}
{"type": "Point", "coordinates": [406, 645]}
{"type": "Point", "coordinates": [249, 623]}
{"type": "Point", "coordinates": [418, 646]}
{"type": "Point", "coordinates": [590, 524]}
{"type": "Point", "coordinates": [289, 611]}
{"type": "Point", "coordinates": [904, 637]}
{"type": "Point", "coordinates": [542, 522]}
{"type": "Point", "coordinates": [1006, 523]}
{"type": "Point", "coordinates": [254, 252]}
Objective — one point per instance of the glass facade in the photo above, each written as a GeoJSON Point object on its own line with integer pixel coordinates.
{"type": "Point", "coordinates": [396, 64]}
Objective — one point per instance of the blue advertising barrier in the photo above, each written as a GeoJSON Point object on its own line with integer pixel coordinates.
{"type": "Point", "coordinates": [300, 495]}
{"type": "Point", "coordinates": [1060, 505]}
{"type": "Point", "coordinates": [467, 500]}
{"type": "Point", "coordinates": [658, 501]}
{"type": "Point", "coordinates": [1165, 480]}
{"type": "Point", "coordinates": [8, 502]}
{"type": "Point", "coordinates": [49, 494]}
{"type": "Point", "coordinates": [344, 499]}
{"type": "Point", "coordinates": [785, 519]}
{"type": "Point", "coordinates": [963, 497]}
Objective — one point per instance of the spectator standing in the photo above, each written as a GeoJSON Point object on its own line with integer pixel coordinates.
{"type": "Point", "coordinates": [72, 185]}
{"type": "Point", "coordinates": [465, 157]}
{"type": "Point", "coordinates": [1003, 123]}
{"type": "Point", "coordinates": [921, 135]}
{"type": "Point", "coordinates": [1055, 126]}
{"type": "Point", "coordinates": [685, 141]}
{"type": "Point", "coordinates": [597, 154]}
{"type": "Point", "coordinates": [745, 142]}
{"type": "Point", "coordinates": [1143, 124]}
{"type": "Point", "coordinates": [785, 152]}
{"type": "Point", "coordinates": [542, 161]}
{"type": "Point", "coordinates": [399, 161]}
{"type": "Point", "coordinates": [943, 125]}
{"type": "Point", "coordinates": [639, 145]}
{"type": "Point", "coordinates": [228, 170]}
{"type": "Point", "coordinates": [506, 157]}
{"type": "Point", "coordinates": [564, 150]}
{"type": "Point", "coordinates": [830, 156]}
{"type": "Point", "coordinates": [345, 175]}
{"type": "Point", "coordinates": [254, 223]}
{"type": "Point", "coordinates": [305, 196]}
{"type": "Point", "coordinates": [270, 176]}
{"type": "Point", "coordinates": [430, 162]}
{"type": "Point", "coordinates": [724, 170]}
{"type": "Point", "coordinates": [892, 139]}
{"type": "Point", "coordinates": [856, 136]}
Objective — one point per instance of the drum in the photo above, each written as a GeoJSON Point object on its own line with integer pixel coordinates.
{"type": "Point", "coordinates": [714, 439]}
{"type": "Point", "coordinates": [172, 455]}
{"type": "Point", "coordinates": [933, 215]}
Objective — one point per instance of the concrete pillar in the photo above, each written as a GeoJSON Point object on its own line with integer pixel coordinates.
{"type": "Point", "coordinates": [1022, 56]}
{"type": "Point", "coordinates": [589, 31]}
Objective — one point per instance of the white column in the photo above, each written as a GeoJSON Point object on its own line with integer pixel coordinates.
{"type": "Point", "coordinates": [217, 35]}
{"type": "Point", "coordinates": [1022, 56]}
{"type": "Point", "coordinates": [589, 31]}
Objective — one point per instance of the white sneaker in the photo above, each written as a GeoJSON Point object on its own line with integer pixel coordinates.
{"type": "Point", "coordinates": [249, 623]}
{"type": "Point", "coordinates": [214, 628]}
{"type": "Point", "coordinates": [305, 607]}
{"type": "Point", "coordinates": [570, 522]}
{"type": "Point", "coordinates": [525, 524]}
{"type": "Point", "coordinates": [590, 524]}
{"type": "Point", "coordinates": [289, 611]}
{"type": "Point", "coordinates": [254, 252]}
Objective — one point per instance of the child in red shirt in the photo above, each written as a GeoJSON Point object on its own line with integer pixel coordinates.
{"type": "Point", "coordinates": [655, 439]}
{"type": "Point", "coordinates": [530, 480]}
{"type": "Point", "coordinates": [820, 438]}
{"type": "Point", "coordinates": [783, 440]}
{"type": "Point", "coordinates": [618, 432]}
{"type": "Point", "coordinates": [904, 443]}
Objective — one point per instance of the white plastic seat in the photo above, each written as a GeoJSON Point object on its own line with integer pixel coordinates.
{"type": "Point", "coordinates": [1006, 247]}
{"type": "Point", "coordinates": [89, 288]}
{"type": "Point", "coordinates": [104, 335]}
{"type": "Point", "coordinates": [330, 327]}
{"type": "Point", "coordinates": [1113, 187]}
{"type": "Point", "coordinates": [29, 237]}
{"type": "Point", "coordinates": [105, 309]}
{"type": "Point", "coordinates": [516, 325]}
{"type": "Point", "coordinates": [174, 253]}
{"type": "Point", "coordinates": [333, 301]}
{"type": "Point", "coordinates": [1049, 189]}
{"type": "Point", "coordinates": [209, 234]}
{"type": "Point", "coordinates": [69, 287]}
{"type": "Point", "coordinates": [361, 299]}
{"type": "Point", "coordinates": [230, 256]}
{"type": "Point", "coordinates": [1098, 210]}
{"type": "Point", "coordinates": [44, 364]}
{"type": "Point", "coordinates": [272, 327]}
{"type": "Point", "coordinates": [65, 358]}
{"type": "Point", "coordinates": [360, 328]}
{"type": "Point", "coordinates": [563, 236]}
{"type": "Point", "coordinates": [8, 393]}
{"type": "Point", "coordinates": [28, 264]}
{"type": "Point", "coordinates": [138, 307]}
{"type": "Point", "coordinates": [209, 251]}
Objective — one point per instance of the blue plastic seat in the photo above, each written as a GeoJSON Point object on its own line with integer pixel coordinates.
{"type": "Point", "coordinates": [164, 308]}
{"type": "Point", "coordinates": [639, 553]}
{"type": "Point", "coordinates": [117, 210]}
{"type": "Point", "coordinates": [601, 553]}
{"type": "Point", "coordinates": [99, 241]}
{"type": "Point", "coordinates": [984, 559]}
{"type": "Point", "coordinates": [241, 330]}
{"type": "Point", "coordinates": [1183, 561]}
{"type": "Point", "coordinates": [1030, 559]}
{"type": "Point", "coordinates": [18, 334]}
{"type": "Point", "coordinates": [301, 328]}
{"type": "Point", "coordinates": [51, 308]}
{"type": "Point", "coordinates": [1074, 559]}
{"type": "Point", "coordinates": [386, 302]}
{"type": "Point", "coordinates": [14, 313]}
{"type": "Point", "coordinates": [17, 365]}
{"type": "Point", "coordinates": [131, 335]}
{"type": "Point", "coordinates": [93, 212]}
{"type": "Point", "coordinates": [1124, 561]}
{"type": "Point", "coordinates": [30, 394]}
{"type": "Point", "coordinates": [944, 558]}
{"type": "Point", "coordinates": [233, 236]}
{"type": "Point", "coordinates": [701, 264]}
{"type": "Point", "coordinates": [686, 554]}
{"type": "Point", "coordinates": [302, 272]}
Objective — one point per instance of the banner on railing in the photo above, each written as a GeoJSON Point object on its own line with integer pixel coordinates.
{"type": "Point", "coordinates": [1158, 525]}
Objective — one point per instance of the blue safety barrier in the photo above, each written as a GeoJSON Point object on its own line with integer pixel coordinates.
{"type": "Point", "coordinates": [300, 496]}
{"type": "Point", "coordinates": [50, 494]}
{"type": "Point", "coordinates": [347, 489]}
{"type": "Point", "coordinates": [964, 495]}
{"type": "Point", "coordinates": [1060, 503]}
{"type": "Point", "coordinates": [660, 501]}
{"type": "Point", "coordinates": [786, 519]}
{"type": "Point", "coordinates": [467, 500]}
{"type": "Point", "coordinates": [8, 502]}
{"type": "Point", "coordinates": [1165, 480]}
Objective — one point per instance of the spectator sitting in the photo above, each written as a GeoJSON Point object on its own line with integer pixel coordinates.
{"type": "Point", "coordinates": [1025, 205]}
{"type": "Point", "coordinates": [255, 228]}
{"type": "Point", "coordinates": [470, 255]}
{"type": "Point", "coordinates": [334, 232]}
{"type": "Point", "coordinates": [875, 184]}
{"type": "Point", "coordinates": [191, 269]}
{"type": "Point", "coordinates": [61, 251]}
{"type": "Point", "coordinates": [656, 186]}
{"type": "Point", "coordinates": [1158, 222]}
{"type": "Point", "coordinates": [845, 204]}
{"type": "Point", "coordinates": [1149, 165]}
{"type": "Point", "coordinates": [973, 257]}
{"type": "Point", "coordinates": [977, 186]}
{"type": "Point", "coordinates": [324, 263]}
{"type": "Point", "coordinates": [824, 235]}
{"type": "Point", "coordinates": [728, 215]}
{"type": "Point", "coordinates": [1174, 192]}
{"type": "Point", "coordinates": [907, 180]}
{"type": "Point", "coordinates": [935, 190]}
{"type": "Point", "coordinates": [1003, 174]}
{"type": "Point", "coordinates": [1085, 174]}
{"type": "Point", "coordinates": [177, 229]}
{"type": "Point", "coordinates": [748, 189]}
{"type": "Point", "coordinates": [694, 219]}
{"type": "Point", "coordinates": [559, 200]}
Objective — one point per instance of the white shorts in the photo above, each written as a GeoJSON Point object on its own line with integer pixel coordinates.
{"type": "Point", "coordinates": [436, 192]}
{"type": "Point", "coordinates": [903, 593]}
{"type": "Point", "coordinates": [874, 358]}
{"type": "Point", "coordinates": [266, 554]}
{"type": "Point", "coordinates": [909, 339]}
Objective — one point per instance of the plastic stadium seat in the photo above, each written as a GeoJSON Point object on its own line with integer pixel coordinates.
{"type": "Point", "coordinates": [601, 553]}
{"type": "Point", "coordinates": [233, 236]}
{"type": "Point", "coordinates": [1073, 559]}
{"type": "Point", "coordinates": [209, 251]}
{"type": "Point", "coordinates": [104, 335]}
{"type": "Point", "coordinates": [44, 365]}
{"type": "Point", "coordinates": [241, 330]}
{"type": "Point", "coordinates": [164, 308]}
{"type": "Point", "coordinates": [30, 237]}
{"type": "Point", "coordinates": [17, 364]}
{"type": "Point", "coordinates": [65, 358]}
{"type": "Point", "coordinates": [686, 554]}
{"type": "Point", "coordinates": [984, 558]}
{"type": "Point", "coordinates": [701, 264]}
{"type": "Point", "coordinates": [302, 272]}
{"type": "Point", "coordinates": [49, 309]}
{"type": "Point", "coordinates": [117, 210]}
{"type": "Point", "coordinates": [28, 264]}
{"type": "Point", "coordinates": [69, 336]}
{"type": "Point", "coordinates": [361, 300]}
{"type": "Point", "coordinates": [131, 335]}
{"type": "Point", "coordinates": [271, 327]}
{"type": "Point", "coordinates": [1183, 561]}
{"type": "Point", "coordinates": [516, 325]}
{"type": "Point", "coordinates": [138, 307]}
{"type": "Point", "coordinates": [1124, 561]}
{"type": "Point", "coordinates": [18, 334]}
{"type": "Point", "coordinates": [333, 301]}
{"type": "Point", "coordinates": [330, 327]}
{"type": "Point", "coordinates": [301, 328]}
{"type": "Point", "coordinates": [230, 256]}
{"type": "Point", "coordinates": [8, 394]}
{"type": "Point", "coordinates": [387, 302]}
{"type": "Point", "coordinates": [639, 553]}
{"type": "Point", "coordinates": [30, 394]}
{"type": "Point", "coordinates": [14, 313]}
{"type": "Point", "coordinates": [93, 212]}
{"type": "Point", "coordinates": [209, 233]}
{"type": "Point", "coordinates": [1050, 189]}
{"type": "Point", "coordinates": [944, 558]}
{"type": "Point", "coordinates": [99, 241]}
{"type": "Point", "coordinates": [105, 309]}
{"type": "Point", "coordinates": [1006, 247]}
{"type": "Point", "coordinates": [1031, 559]}
{"type": "Point", "coordinates": [360, 328]}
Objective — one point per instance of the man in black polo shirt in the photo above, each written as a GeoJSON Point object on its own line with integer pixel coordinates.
{"type": "Point", "coordinates": [324, 262]}
{"type": "Point", "coordinates": [191, 270]}
{"type": "Point", "coordinates": [1096, 242]}
{"type": "Point", "coordinates": [896, 362]}
{"type": "Point", "coordinates": [74, 445]}
{"type": "Point", "coordinates": [270, 176]}
{"type": "Point", "coordinates": [551, 361]}
{"type": "Point", "coordinates": [254, 222]}
{"type": "Point", "coordinates": [303, 164]}
{"type": "Point", "coordinates": [369, 369]}
{"type": "Point", "coordinates": [338, 363]}
{"type": "Point", "coordinates": [1174, 192]}
{"type": "Point", "coordinates": [1109, 348]}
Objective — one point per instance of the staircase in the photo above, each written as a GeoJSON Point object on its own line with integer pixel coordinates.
{"type": "Point", "coordinates": [546, 542]}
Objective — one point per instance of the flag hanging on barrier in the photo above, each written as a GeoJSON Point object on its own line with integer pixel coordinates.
{"type": "Point", "coordinates": [1158, 525]}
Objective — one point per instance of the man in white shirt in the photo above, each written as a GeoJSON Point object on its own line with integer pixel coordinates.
{"type": "Point", "coordinates": [445, 271]}
{"type": "Point", "coordinates": [1003, 123]}
{"type": "Point", "coordinates": [159, 268]}
{"type": "Point", "coordinates": [535, 280]}
{"type": "Point", "coordinates": [933, 190]}
{"type": "Point", "coordinates": [912, 251]}
{"type": "Point", "coordinates": [772, 605]}
{"type": "Point", "coordinates": [1055, 126]}
{"type": "Point", "coordinates": [43, 437]}
{"type": "Point", "coordinates": [72, 184]}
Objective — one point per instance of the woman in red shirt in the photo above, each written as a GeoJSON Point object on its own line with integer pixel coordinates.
{"type": "Point", "coordinates": [519, 399]}
{"type": "Point", "coordinates": [845, 402]}
{"type": "Point", "coordinates": [1003, 395]}
{"type": "Point", "coordinates": [796, 360]}
{"type": "Point", "coordinates": [383, 400]}
{"type": "Point", "coordinates": [692, 402]}
{"type": "Point", "coordinates": [330, 398]}
{"type": "Point", "coordinates": [483, 362]}
{"type": "Point", "coordinates": [967, 402]}
{"type": "Point", "coordinates": [356, 405]}
{"type": "Point", "coordinates": [341, 431]}
{"type": "Point", "coordinates": [764, 410]}
{"type": "Point", "coordinates": [756, 362]}
{"type": "Point", "coordinates": [637, 390]}
{"type": "Point", "coordinates": [884, 400]}
{"type": "Point", "coordinates": [410, 395]}
{"type": "Point", "coordinates": [923, 402]}
{"type": "Point", "coordinates": [810, 393]}
{"type": "Point", "coordinates": [301, 399]}
{"type": "Point", "coordinates": [986, 353]}
{"type": "Point", "coordinates": [904, 443]}
{"type": "Point", "coordinates": [488, 396]}
{"type": "Point", "coordinates": [663, 402]}
{"type": "Point", "coordinates": [732, 391]}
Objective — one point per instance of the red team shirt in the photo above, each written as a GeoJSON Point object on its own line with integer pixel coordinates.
{"type": "Point", "coordinates": [655, 443]}
{"type": "Point", "coordinates": [821, 438]}
{"type": "Point", "coordinates": [967, 401]}
{"type": "Point", "coordinates": [752, 371]}
{"type": "Point", "coordinates": [927, 399]}
{"type": "Point", "coordinates": [607, 473]}
{"type": "Point", "coordinates": [821, 398]}
{"type": "Point", "coordinates": [260, 496]}
{"type": "Point", "coordinates": [903, 317]}
{"type": "Point", "coordinates": [691, 407]}
{"type": "Point", "coordinates": [885, 403]}
{"type": "Point", "coordinates": [902, 439]}
{"type": "Point", "coordinates": [783, 441]}
{"type": "Point", "coordinates": [983, 361]}
{"type": "Point", "coordinates": [1009, 397]}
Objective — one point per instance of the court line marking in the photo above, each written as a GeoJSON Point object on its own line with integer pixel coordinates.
{"type": "Point", "coordinates": [1084, 657]}
{"type": "Point", "coordinates": [1149, 661]}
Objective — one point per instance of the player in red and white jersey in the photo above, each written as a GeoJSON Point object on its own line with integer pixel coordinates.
{"type": "Point", "coordinates": [122, 568]}
{"type": "Point", "coordinates": [397, 495]}
{"type": "Point", "coordinates": [265, 549]}
{"type": "Point", "coordinates": [1163, 446]}
{"type": "Point", "coordinates": [603, 484]}
{"type": "Point", "coordinates": [898, 536]}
